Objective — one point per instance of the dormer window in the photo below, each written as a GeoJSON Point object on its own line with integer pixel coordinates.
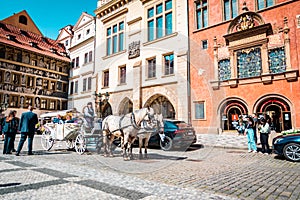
{"type": "Point", "coordinates": [23, 33]}
{"type": "Point", "coordinates": [88, 31]}
{"type": "Point", "coordinates": [33, 44]}
{"type": "Point", "coordinates": [79, 36]}
{"type": "Point", "coordinates": [53, 50]}
{"type": "Point", "coordinates": [23, 20]}
{"type": "Point", "coordinates": [11, 37]}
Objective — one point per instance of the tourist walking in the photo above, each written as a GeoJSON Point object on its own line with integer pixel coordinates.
{"type": "Point", "coordinates": [250, 135]}
{"type": "Point", "coordinates": [27, 127]}
{"type": "Point", "coordinates": [9, 128]}
{"type": "Point", "coordinates": [264, 130]}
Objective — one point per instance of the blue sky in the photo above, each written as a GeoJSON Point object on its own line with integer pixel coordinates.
{"type": "Point", "coordinates": [49, 15]}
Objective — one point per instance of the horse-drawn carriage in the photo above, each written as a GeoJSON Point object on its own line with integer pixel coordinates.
{"type": "Point", "coordinates": [77, 134]}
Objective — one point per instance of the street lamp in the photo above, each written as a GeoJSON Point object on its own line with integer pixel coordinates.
{"type": "Point", "coordinates": [100, 100]}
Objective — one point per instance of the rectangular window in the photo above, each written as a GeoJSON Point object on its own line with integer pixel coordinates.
{"type": "Point", "coordinates": [230, 9]}
{"type": "Point", "coordinates": [77, 62]}
{"type": "Point", "coordinates": [115, 38]}
{"type": "Point", "coordinates": [199, 110]}
{"type": "Point", "coordinates": [169, 64]}
{"type": "Point", "coordinates": [30, 81]}
{"type": "Point", "coordinates": [201, 14]}
{"type": "Point", "coordinates": [73, 63]}
{"type": "Point", "coordinates": [85, 58]}
{"type": "Point", "coordinates": [76, 87]}
{"type": "Point", "coordinates": [89, 83]}
{"type": "Point", "coordinates": [152, 68]}
{"type": "Point", "coordinates": [122, 72]}
{"type": "Point", "coordinates": [261, 4]}
{"type": "Point", "coordinates": [43, 103]}
{"type": "Point", "coordinates": [71, 87]}
{"type": "Point", "coordinates": [52, 104]}
{"type": "Point", "coordinates": [204, 44]}
{"type": "Point", "coordinates": [90, 56]}
{"type": "Point", "coordinates": [159, 20]}
{"type": "Point", "coordinates": [106, 79]}
{"type": "Point", "coordinates": [52, 85]}
{"type": "Point", "coordinates": [84, 85]}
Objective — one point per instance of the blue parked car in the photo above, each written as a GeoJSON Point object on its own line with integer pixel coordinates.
{"type": "Point", "coordinates": [288, 146]}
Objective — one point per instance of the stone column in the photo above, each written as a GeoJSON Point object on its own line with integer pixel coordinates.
{"type": "Point", "coordinates": [137, 83]}
{"type": "Point", "coordinates": [286, 31]}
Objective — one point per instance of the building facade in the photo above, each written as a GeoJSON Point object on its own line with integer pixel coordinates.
{"type": "Point", "coordinates": [141, 56]}
{"type": "Point", "coordinates": [244, 60]}
{"type": "Point", "coordinates": [33, 68]}
{"type": "Point", "coordinates": [80, 42]}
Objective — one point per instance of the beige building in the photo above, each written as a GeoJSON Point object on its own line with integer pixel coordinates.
{"type": "Point", "coordinates": [141, 56]}
{"type": "Point", "coordinates": [80, 42]}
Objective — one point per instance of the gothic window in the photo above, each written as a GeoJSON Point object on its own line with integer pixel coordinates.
{"type": "Point", "coordinates": [277, 62]}
{"type": "Point", "coordinates": [249, 62]}
{"type": "Point", "coordinates": [224, 70]}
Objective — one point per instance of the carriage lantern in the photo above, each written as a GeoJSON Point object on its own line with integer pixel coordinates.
{"type": "Point", "coordinates": [100, 99]}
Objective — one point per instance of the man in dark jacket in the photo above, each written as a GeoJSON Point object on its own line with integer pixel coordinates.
{"type": "Point", "coordinates": [27, 127]}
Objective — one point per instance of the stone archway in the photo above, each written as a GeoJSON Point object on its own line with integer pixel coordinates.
{"type": "Point", "coordinates": [161, 104]}
{"type": "Point", "coordinates": [125, 106]}
{"type": "Point", "coordinates": [231, 110]}
{"type": "Point", "coordinates": [276, 107]}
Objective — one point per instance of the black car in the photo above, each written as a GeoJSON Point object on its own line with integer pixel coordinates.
{"type": "Point", "coordinates": [288, 146]}
{"type": "Point", "coordinates": [178, 135]}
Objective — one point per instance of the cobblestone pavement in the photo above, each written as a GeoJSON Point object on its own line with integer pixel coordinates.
{"type": "Point", "coordinates": [199, 173]}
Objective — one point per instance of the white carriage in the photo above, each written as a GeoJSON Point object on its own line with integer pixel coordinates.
{"type": "Point", "coordinates": [77, 135]}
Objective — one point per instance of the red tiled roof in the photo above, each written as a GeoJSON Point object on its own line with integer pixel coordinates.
{"type": "Point", "coordinates": [23, 39]}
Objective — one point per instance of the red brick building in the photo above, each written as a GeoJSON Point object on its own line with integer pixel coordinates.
{"type": "Point", "coordinates": [244, 59]}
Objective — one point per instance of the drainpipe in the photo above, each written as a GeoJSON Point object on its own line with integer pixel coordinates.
{"type": "Point", "coordinates": [188, 70]}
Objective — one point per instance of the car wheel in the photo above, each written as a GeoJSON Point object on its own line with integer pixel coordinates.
{"type": "Point", "coordinates": [292, 152]}
{"type": "Point", "coordinates": [167, 144]}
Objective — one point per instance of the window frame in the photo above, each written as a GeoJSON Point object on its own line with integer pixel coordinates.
{"type": "Point", "coordinates": [231, 13]}
{"type": "Point", "coordinates": [105, 80]}
{"type": "Point", "coordinates": [164, 64]}
{"type": "Point", "coordinates": [265, 4]}
{"type": "Point", "coordinates": [156, 33]}
{"type": "Point", "coordinates": [115, 38]}
{"type": "Point", "coordinates": [148, 60]}
{"type": "Point", "coordinates": [198, 116]}
{"type": "Point", "coordinates": [122, 76]}
{"type": "Point", "coordinates": [201, 8]}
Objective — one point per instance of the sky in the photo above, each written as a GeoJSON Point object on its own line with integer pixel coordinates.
{"type": "Point", "coordinates": [49, 15]}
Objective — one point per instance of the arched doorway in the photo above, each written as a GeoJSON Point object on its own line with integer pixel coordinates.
{"type": "Point", "coordinates": [106, 110]}
{"type": "Point", "coordinates": [126, 106]}
{"type": "Point", "coordinates": [161, 104]}
{"type": "Point", "coordinates": [278, 110]}
{"type": "Point", "coordinates": [231, 111]}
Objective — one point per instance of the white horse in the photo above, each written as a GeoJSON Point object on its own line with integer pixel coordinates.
{"type": "Point", "coordinates": [147, 131]}
{"type": "Point", "coordinates": [125, 127]}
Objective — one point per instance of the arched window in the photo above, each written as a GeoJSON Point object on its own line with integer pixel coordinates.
{"type": "Point", "coordinates": [23, 20]}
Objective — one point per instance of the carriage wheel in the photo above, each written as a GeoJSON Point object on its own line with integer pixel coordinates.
{"type": "Point", "coordinates": [80, 144]}
{"type": "Point", "coordinates": [70, 144]}
{"type": "Point", "coordinates": [47, 140]}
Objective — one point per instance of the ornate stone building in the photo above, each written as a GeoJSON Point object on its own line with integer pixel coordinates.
{"type": "Point", "coordinates": [244, 60]}
{"type": "Point", "coordinates": [141, 56]}
{"type": "Point", "coordinates": [33, 68]}
{"type": "Point", "coordinates": [80, 43]}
